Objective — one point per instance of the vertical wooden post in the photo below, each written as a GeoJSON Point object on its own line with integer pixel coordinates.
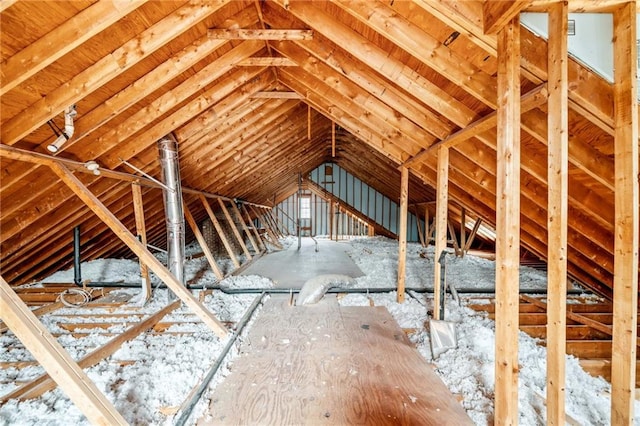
{"type": "Point", "coordinates": [427, 227]}
{"type": "Point", "coordinates": [442, 192]}
{"type": "Point", "coordinates": [402, 232]}
{"type": "Point", "coordinates": [625, 279]}
{"type": "Point", "coordinates": [55, 360]}
{"type": "Point", "coordinates": [507, 224]}
{"type": "Point", "coordinates": [331, 219]}
{"type": "Point", "coordinates": [203, 244]}
{"type": "Point", "coordinates": [245, 229]}
{"type": "Point", "coordinates": [557, 216]}
{"type": "Point", "coordinates": [253, 227]}
{"type": "Point", "coordinates": [234, 228]}
{"type": "Point", "coordinates": [141, 230]}
{"type": "Point", "coordinates": [463, 231]}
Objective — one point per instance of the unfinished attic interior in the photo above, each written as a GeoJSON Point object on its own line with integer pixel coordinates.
{"type": "Point", "coordinates": [295, 212]}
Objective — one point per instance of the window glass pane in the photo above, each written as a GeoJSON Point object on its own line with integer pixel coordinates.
{"type": "Point", "coordinates": [305, 208]}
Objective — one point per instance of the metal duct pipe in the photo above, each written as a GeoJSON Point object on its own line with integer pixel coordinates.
{"type": "Point", "coordinates": [168, 151]}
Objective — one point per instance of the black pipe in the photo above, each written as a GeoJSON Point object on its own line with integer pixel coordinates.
{"type": "Point", "coordinates": [184, 413]}
{"type": "Point", "coordinates": [77, 273]}
{"type": "Point", "coordinates": [332, 290]}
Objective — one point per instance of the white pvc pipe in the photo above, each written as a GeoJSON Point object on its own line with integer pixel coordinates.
{"type": "Point", "coordinates": [69, 128]}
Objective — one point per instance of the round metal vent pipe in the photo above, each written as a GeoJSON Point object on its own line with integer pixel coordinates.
{"type": "Point", "coordinates": [168, 150]}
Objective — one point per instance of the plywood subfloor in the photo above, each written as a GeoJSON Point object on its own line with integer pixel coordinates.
{"type": "Point", "coordinates": [290, 268]}
{"type": "Point", "coordinates": [326, 364]}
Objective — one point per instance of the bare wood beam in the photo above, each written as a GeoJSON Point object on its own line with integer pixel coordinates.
{"type": "Point", "coordinates": [245, 229]}
{"type": "Point", "coordinates": [253, 227]}
{"type": "Point", "coordinates": [221, 233]}
{"type": "Point", "coordinates": [529, 101]}
{"type": "Point", "coordinates": [136, 246]}
{"type": "Point", "coordinates": [107, 68]}
{"type": "Point", "coordinates": [6, 4]}
{"type": "Point", "coordinates": [203, 243]}
{"type": "Point", "coordinates": [473, 234]}
{"type": "Point", "coordinates": [62, 40]}
{"type": "Point", "coordinates": [333, 139]}
{"type": "Point", "coordinates": [496, 14]}
{"type": "Point", "coordinates": [268, 61]}
{"type": "Point", "coordinates": [234, 228]}
{"type": "Point", "coordinates": [402, 232]}
{"type": "Point", "coordinates": [507, 224]}
{"type": "Point", "coordinates": [260, 34]}
{"type": "Point", "coordinates": [277, 95]}
{"type": "Point", "coordinates": [627, 201]}
{"type": "Point", "coordinates": [55, 360]}
{"type": "Point", "coordinates": [309, 124]}
{"type": "Point", "coordinates": [454, 238]}
{"type": "Point", "coordinates": [580, 6]}
{"type": "Point", "coordinates": [463, 231]}
{"type": "Point", "coordinates": [440, 223]}
{"type": "Point", "coordinates": [557, 212]}
{"type": "Point", "coordinates": [141, 230]}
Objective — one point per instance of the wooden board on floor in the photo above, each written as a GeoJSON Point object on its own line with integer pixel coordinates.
{"type": "Point", "coordinates": [333, 365]}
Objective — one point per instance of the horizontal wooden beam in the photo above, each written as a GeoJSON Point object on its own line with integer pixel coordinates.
{"type": "Point", "coordinates": [580, 6]}
{"type": "Point", "coordinates": [260, 34]}
{"type": "Point", "coordinates": [268, 61]}
{"type": "Point", "coordinates": [529, 101]}
{"type": "Point", "coordinates": [495, 14]}
{"type": "Point", "coordinates": [277, 95]}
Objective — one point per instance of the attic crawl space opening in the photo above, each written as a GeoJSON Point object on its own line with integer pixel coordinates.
{"type": "Point", "coordinates": [439, 122]}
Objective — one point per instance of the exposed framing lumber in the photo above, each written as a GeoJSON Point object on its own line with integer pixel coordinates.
{"type": "Point", "coordinates": [463, 231]}
{"type": "Point", "coordinates": [108, 68]}
{"type": "Point", "coordinates": [141, 230]}
{"type": "Point", "coordinates": [62, 40]}
{"type": "Point", "coordinates": [268, 227]}
{"type": "Point", "coordinates": [333, 139]}
{"type": "Point", "coordinates": [442, 207]}
{"type": "Point", "coordinates": [532, 99]}
{"type": "Point", "coordinates": [275, 94]}
{"type": "Point", "coordinates": [580, 6]}
{"type": "Point", "coordinates": [223, 236]}
{"type": "Point", "coordinates": [55, 360]}
{"type": "Point", "coordinates": [260, 34]}
{"type": "Point", "coordinates": [136, 246]}
{"type": "Point", "coordinates": [253, 227]}
{"type": "Point", "coordinates": [267, 61]}
{"type": "Point", "coordinates": [421, 232]}
{"type": "Point", "coordinates": [43, 383]}
{"type": "Point", "coordinates": [557, 211]}
{"type": "Point", "coordinates": [454, 238]}
{"type": "Point", "coordinates": [627, 199]}
{"type": "Point", "coordinates": [402, 233]}
{"type": "Point", "coordinates": [234, 228]}
{"type": "Point", "coordinates": [507, 224]}
{"type": "Point", "coordinates": [5, 4]}
{"type": "Point", "coordinates": [472, 235]}
{"type": "Point", "coordinates": [245, 229]}
{"type": "Point", "coordinates": [203, 243]}
{"type": "Point", "coordinates": [496, 14]}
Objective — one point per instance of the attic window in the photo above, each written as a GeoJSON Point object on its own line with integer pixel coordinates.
{"type": "Point", "coordinates": [305, 207]}
{"type": "Point", "coordinates": [328, 171]}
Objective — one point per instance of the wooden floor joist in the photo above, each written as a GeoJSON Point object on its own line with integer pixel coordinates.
{"type": "Point", "coordinates": [66, 373]}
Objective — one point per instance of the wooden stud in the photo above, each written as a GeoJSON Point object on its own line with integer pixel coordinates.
{"type": "Point", "coordinates": [203, 243]}
{"type": "Point", "coordinates": [221, 233]}
{"type": "Point", "coordinates": [473, 233]}
{"type": "Point", "coordinates": [141, 230]}
{"type": "Point", "coordinates": [507, 224]}
{"type": "Point", "coordinates": [260, 34]}
{"type": "Point", "coordinates": [442, 190]}
{"type": "Point", "coordinates": [627, 200]}
{"type": "Point", "coordinates": [55, 360]}
{"type": "Point", "coordinates": [419, 228]}
{"type": "Point", "coordinates": [62, 40]}
{"type": "Point", "coordinates": [245, 229]}
{"type": "Point", "coordinates": [136, 247]}
{"type": "Point", "coordinates": [402, 232]}
{"type": "Point", "coordinates": [234, 228]}
{"type": "Point", "coordinates": [454, 238]}
{"type": "Point", "coordinates": [253, 227]}
{"type": "Point", "coordinates": [557, 211]}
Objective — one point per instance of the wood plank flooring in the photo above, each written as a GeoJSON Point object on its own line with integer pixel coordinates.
{"type": "Point", "coordinates": [326, 364]}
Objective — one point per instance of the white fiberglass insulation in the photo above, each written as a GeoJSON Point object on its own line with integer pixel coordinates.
{"type": "Point", "coordinates": [150, 376]}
